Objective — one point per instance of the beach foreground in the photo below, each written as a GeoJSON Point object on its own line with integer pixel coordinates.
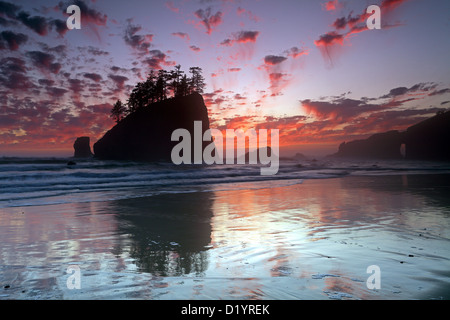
{"type": "Point", "coordinates": [310, 239]}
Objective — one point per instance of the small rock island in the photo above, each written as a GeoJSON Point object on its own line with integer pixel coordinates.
{"type": "Point", "coordinates": [82, 148]}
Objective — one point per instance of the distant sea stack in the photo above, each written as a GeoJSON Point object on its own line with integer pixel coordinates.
{"type": "Point", "coordinates": [380, 146]}
{"type": "Point", "coordinates": [82, 148]}
{"type": "Point", "coordinates": [427, 140]}
{"type": "Point", "coordinates": [145, 135]}
{"type": "Point", "coordinates": [256, 155]}
{"type": "Point", "coordinates": [300, 156]}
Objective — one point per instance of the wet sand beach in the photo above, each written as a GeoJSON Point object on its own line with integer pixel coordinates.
{"type": "Point", "coordinates": [309, 240]}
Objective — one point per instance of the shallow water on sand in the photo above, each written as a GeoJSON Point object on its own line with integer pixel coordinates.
{"type": "Point", "coordinates": [313, 240]}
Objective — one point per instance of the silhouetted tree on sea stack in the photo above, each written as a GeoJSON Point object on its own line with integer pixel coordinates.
{"type": "Point", "coordinates": [118, 111]}
{"type": "Point", "coordinates": [197, 80]}
{"type": "Point", "coordinates": [158, 87]}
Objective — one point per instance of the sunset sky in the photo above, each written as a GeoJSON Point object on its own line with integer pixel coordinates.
{"type": "Point", "coordinates": [309, 68]}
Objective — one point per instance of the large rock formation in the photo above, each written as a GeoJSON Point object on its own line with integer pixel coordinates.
{"type": "Point", "coordinates": [381, 146]}
{"type": "Point", "coordinates": [146, 133]}
{"type": "Point", "coordinates": [82, 148]}
{"type": "Point", "coordinates": [427, 140]}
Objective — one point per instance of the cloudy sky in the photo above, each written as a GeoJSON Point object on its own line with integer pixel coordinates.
{"type": "Point", "coordinates": [309, 68]}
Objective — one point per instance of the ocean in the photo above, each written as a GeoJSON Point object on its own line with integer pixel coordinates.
{"type": "Point", "coordinates": [134, 230]}
{"type": "Point", "coordinates": [39, 181]}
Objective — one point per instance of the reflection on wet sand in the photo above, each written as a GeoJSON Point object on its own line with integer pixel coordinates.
{"type": "Point", "coordinates": [38, 243]}
{"type": "Point", "coordinates": [331, 232]}
{"type": "Point", "coordinates": [434, 189]}
{"type": "Point", "coordinates": [168, 235]}
{"type": "Point", "coordinates": [305, 241]}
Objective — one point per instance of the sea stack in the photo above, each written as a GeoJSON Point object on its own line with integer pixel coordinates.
{"type": "Point", "coordinates": [427, 140]}
{"type": "Point", "coordinates": [145, 135]}
{"type": "Point", "coordinates": [378, 146]}
{"type": "Point", "coordinates": [82, 148]}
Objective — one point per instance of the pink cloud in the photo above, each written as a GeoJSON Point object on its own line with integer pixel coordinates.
{"type": "Point", "coordinates": [243, 12]}
{"type": "Point", "coordinates": [195, 48]}
{"type": "Point", "coordinates": [208, 20]}
{"type": "Point", "coordinates": [241, 37]}
{"type": "Point", "coordinates": [171, 7]}
{"type": "Point", "coordinates": [181, 35]}
{"type": "Point", "coordinates": [332, 5]}
{"type": "Point", "coordinates": [354, 24]}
